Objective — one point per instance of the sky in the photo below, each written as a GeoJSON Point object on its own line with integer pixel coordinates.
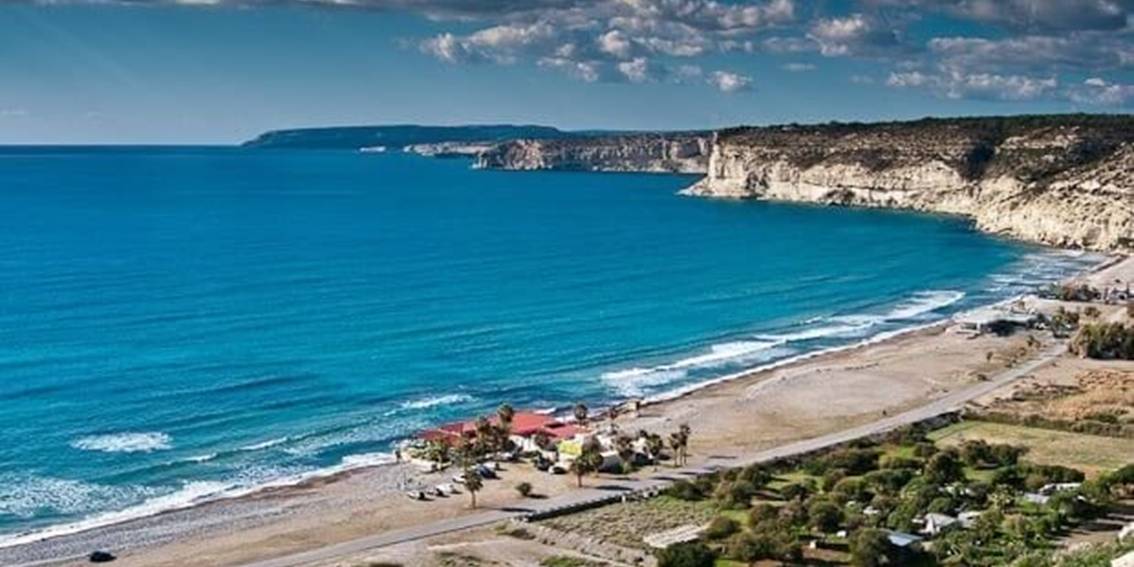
{"type": "Point", "coordinates": [222, 71]}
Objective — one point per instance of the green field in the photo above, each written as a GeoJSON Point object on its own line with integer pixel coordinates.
{"type": "Point", "coordinates": [1092, 454]}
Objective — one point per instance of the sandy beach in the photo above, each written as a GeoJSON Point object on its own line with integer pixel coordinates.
{"type": "Point", "coordinates": [759, 410]}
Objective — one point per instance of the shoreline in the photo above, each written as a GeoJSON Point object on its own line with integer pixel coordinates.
{"type": "Point", "coordinates": [288, 488]}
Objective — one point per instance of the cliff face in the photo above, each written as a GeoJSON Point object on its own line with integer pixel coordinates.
{"type": "Point", "coordinates": [1062, 180]}
{"type": "Point", "coordinates": [674, 153]}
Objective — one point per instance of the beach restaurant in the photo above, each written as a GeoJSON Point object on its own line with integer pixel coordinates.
{"type": "Point", "coordinates": [524, 427]}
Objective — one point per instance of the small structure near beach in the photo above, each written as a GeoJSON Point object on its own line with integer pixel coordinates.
{"type": "Point", "coordinates": [524, 430]}
{"type": "Point", "coordinates": [994, 319]}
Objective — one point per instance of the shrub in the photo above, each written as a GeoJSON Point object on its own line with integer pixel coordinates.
{"type": "Point", "coordinates": [757, 475]}
{"type": "Point", "coordinates": [524, 488]}
{"type": "Point", "coordinates": [850, 489]}
{"type": "Point", "coordinates": [944, 467]}
{"type": "Point", "coordinates": [825, 516]}
{"type": "Point", "coordinates": [686, 555]}
{"type": "Point", "coordinates": [797, 490]}
{"type": "Point", "coordinates": [870, 547]}
{"type": "Point", "coordinates": [721, 527]}
{"type": "Point", "coordinates": [854, 461]}
{"type": "Point", "coordinates": [763, 513]}
{"type": "Point", "coordinates": [832, 477]}
{"type": "Point", "coordinates": [889, 481]}
{"type": "Point", "coordinates": [1104, 340]}
{"type": "Point", "coordinates": [942, 505]}
{"type": "Point", "coordinates": [685, 490]}
{"type": "Point", "coordinates": [924, 450]}
{"type": "Point", "coordinates": [899, 462]}
{"type": "Point", "coordinates": [764, 544]}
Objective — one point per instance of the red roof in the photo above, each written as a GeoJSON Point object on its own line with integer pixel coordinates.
{"type": "Point", "coordinates": [524, 424]}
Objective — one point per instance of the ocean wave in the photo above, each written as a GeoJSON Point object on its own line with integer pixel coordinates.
{"type": "Point", "coordinates": [265, 444]}
{"type": "Point", "coordinates": [75, 497]}
{"type": "Point", "coordinates": [632, 382]}
{"type": "Point", "coordinates": [923, 302]}
{"type": "Point", "coordinates": [434, 401]}
{"type": "Point", "coordinates": [126, 442]}
{"type": "Point", "coordinates": [880, 337]}
{"type": "Point", "coordinates": [26, 496]}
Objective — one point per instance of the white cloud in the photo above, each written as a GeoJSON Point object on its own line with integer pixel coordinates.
{"type": "Point", "coordinates": [857, 34]}
{"type": "Point", "coordinates": [1087, 50]}
{"type": "Point", "coordinates": [500, 44]}
{"type": "Point", "coordinates": [1097, 91]}
{"type": "Point", "coordinates": [958, 84]}
{"type": "Point", "coordinates": [13, 112]}
{"type": "Point", "coordinates": [636, 71]}
{"type": "Point", "coordinates": [616, 43]}
{"type": "Point", "coordinates": [798, 67]}
{"type": "Point", "coordinates": [586, 71]}
{"type": "Point", "coordinates": [728, 82]}
{"type": "Point", "coordinates": [1038, 14]}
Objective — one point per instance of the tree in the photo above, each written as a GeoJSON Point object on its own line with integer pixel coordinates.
{"type": "Point", "coordinates": [870, 547]}
{"type": "Point", "coordinates": [437, 452]}
{"type": "Point", "coordinates": [721, 527]}
{"type": "Point", "coordinates": [655, 444]}
{"type": "Point", "coordinates": [524, 488]}
{"type": "Point", "coordinates": [686, 432]}
{"type": "Point", "coordinates": [473, 483]}
{"type": "Point", "coordinates": [825, 516]}
{"type": "Point", "coordinates": [625, 447]}
{"type": "Point", "coordinates": [505, 413]}
{"type": "Point", "coordinates": [675, 445]}
{"type": "Point", "coordinates": [589, 460]}
{"type": "Point", "coordinates": [694, 554]}
{"type": "Point", "coordinates": [944, 467]}
{"type": "Point", "coordinates": [581, 413]}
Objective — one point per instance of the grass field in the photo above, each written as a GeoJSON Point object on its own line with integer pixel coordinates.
{"type": "Point", "coordinates": [1093, 454]}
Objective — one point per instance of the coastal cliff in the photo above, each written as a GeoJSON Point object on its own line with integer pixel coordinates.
{"type": "Point", "coordinates": [683, 152]}
{"type": "Point", "coordinates": [1061, 180]}
{"type": "Point", "coordinates": [1064, 180]}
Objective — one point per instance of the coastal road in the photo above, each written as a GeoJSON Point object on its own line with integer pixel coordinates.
{"type": "Point", "coordinates": [613, 489]}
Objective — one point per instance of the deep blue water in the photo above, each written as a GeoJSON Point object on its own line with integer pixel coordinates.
{"type": "Point", "coordinates": [178, 323]}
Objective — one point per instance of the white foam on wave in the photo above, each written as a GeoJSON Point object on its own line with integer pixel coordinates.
{"type": "Point", "coordinates": [77, 497]}
{"type": "Point", "coordinates": [923, 302]}
{"type": "Point", "coordinates": [632, 381]}
{"type": "Point", "coordinates": [840, 327]}
{"type": "Point", "coordinates": [434, 401]}
{"type": "Point", "coordinates": [265, 444]}
{"type": "Point", "coordinates": [880, 337]}
{"type": "Point", "coordinates": [126, 442]}
{"type": "Point", "coordinates": [24, 496]}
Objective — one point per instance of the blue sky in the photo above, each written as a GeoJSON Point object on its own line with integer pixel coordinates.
{"type": "Point", "coordinates": [220, 71]}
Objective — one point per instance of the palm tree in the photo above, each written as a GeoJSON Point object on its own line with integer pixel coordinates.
{"type": "Point", "coordinates": [655, 444]}
{"type": "Point", "coordinates": [675, 445]}
{"type": "Point", "coordinates": [505, 413]}
{"type": "Point", "coordinates": [437, 452]}
{"type": "Point", "coordinates": [581, 413]}
{"type": "Point", "coordinates": [473, 483]}
{"type": "Point", "coordinates": [588, 461]}
{"type": "Point", "coordinates": [685, 432]}
{"type": "Point", "coordinates": [625, 446]}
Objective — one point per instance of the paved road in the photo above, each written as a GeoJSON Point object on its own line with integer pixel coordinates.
{"type": "Point", "coordinates": [613, 489]}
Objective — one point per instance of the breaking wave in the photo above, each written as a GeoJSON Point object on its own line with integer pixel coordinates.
{"type": "Point", "coordinates": [124, 442]}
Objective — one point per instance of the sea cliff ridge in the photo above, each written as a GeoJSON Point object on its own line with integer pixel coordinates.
{"type": "Point", "coordinates": [1063, 180]}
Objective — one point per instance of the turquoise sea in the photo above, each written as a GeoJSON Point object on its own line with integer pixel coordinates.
{"type": "Point", "coordinates": [182, 324]}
